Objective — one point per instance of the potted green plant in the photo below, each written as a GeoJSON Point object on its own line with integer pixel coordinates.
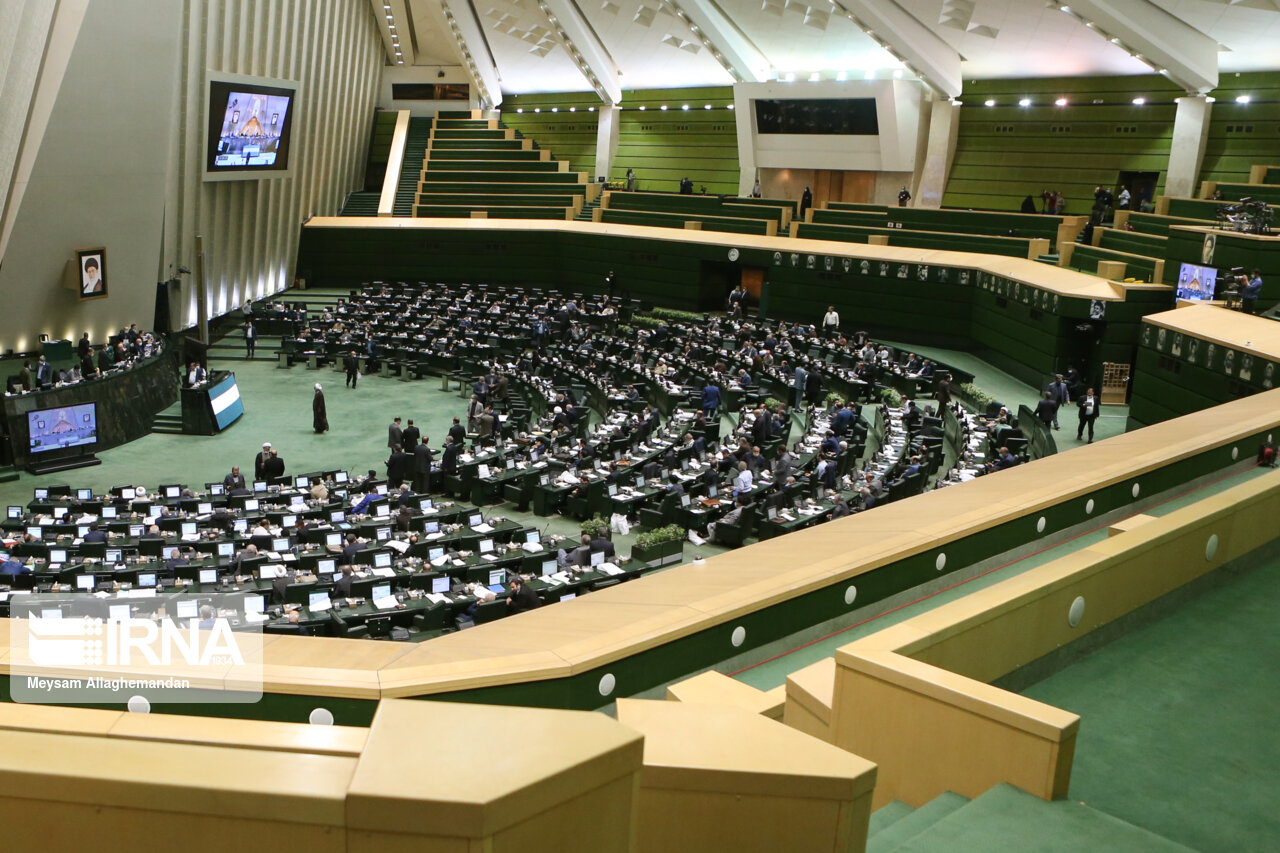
{"type": "Point", "coordinates": [974, 397]}
{"type": "Point", "coordinates": [659, 545]}
{"type": "Point", "coordinates": [891, 398]}
{"type": "Point", "coordinates": [595, 527]}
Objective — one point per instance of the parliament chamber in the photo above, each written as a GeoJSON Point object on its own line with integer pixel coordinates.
{"type": "Point", "coordinates": [639, 428]}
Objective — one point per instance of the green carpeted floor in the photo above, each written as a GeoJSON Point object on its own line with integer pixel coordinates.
{"type": "Point", "coordinates": [1178, 733]}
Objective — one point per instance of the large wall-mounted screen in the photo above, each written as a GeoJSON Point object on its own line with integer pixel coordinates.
{"type": "Point", "coordinates": [249, 129]}
{"type": "Point", "coordinates": [62, 428]}
{"type": "Point", "coordinates": [824, 116]}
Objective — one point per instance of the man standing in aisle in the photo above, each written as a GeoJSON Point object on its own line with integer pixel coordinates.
{"type": "Point", "coordinates": [352, 366]}
{"type": "Point", "coordinates": [1060, 394]}
{"type": "Point", "coordinates": [904, 196]}
{"type": "Point", "coordinates": [1088, 406]}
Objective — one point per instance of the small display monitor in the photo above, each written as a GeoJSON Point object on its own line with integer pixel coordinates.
{"type": "Point", "coordinates": [35, 532]}
{"type": "Point", "coordinates": [114, 555]}
{"type": "Point", "coordinates": [281, 544]}
{"type": "Point", "coordinates": [426, 504]}
{"type": "Point", "coordinates": [136, 530]}
{"type": "Point", "coordinates": [128, 493]}
{"type": "Point", "coordinates": [14, 513]}
{"type": "Point", "coordinates": [255, 604]}
{"type": "Point", "coordinates": [440, 584]}
{"type": "Point", "coordinates": [381, 591]}
{"type": "Point", "coordinates": [42, 494]}
{"type": "Point", "coordinates": [435, 554]}
{"type": "Point", "coordinates": [549, 567]}
{"type": "Point", "coordinates": [302, 482]}
{"type": "Point", "coordinates": [226, 549]}
{"type": "Point", "coordinates": [217, 489]}
{"type": "Point", "coordinates": [84, 494]}
{"type": "Point", "coordinates": [59, 512]}
{"type": "Point", "coordinates": [188, 608]}
{"type": "Point", "coordinates": [172, 491]}
{"type": "Point", "coordinates": [340, 477]}
{"type": "Point", "coordinates": [383, 534]}
{"type": "Point", "coordinates": [1196, 282]}
{"type": "Point", "coordinates": [597, 557]}
{"type": "Point", "coordinates": [289, 521]}
{"type": "Point", "coordinates": [86, 582]}
{"type": "Point", "coordinates": [118, 612]}
{"type": "Point", "coordinates": [147, 579]}
{"type": "Point", "coordinates": [318, 600]}
{"type": "Point", "coordinates": [189, 528]}
{"type": "Point", "coordinates": [333, 540]}
{"type": "Point", "coordinates": [475, 519]}
{"type": "Point", "coordinates": [486, 546]}
{"type": "Point", "coordinates": [337, 516]}
{"type": "Point", "coordinates": [108, 512]}
{"type": "Point", "coordinates": [532, 537]}
{"type": "Point", "coordinates": [57, 555]}
{"type": "Point", "coordinates": [326, 567]}
{"type": "Point", "coordinates": [252, 504]}
{"type": "Point", "coordinates": [204, 508]}
{"type": "Point", "coordinates": [259, 486]}
{"type": "Point", "coordinates": [208, 576]}
{"type": "Point", "coordinates": [382, 560]}
{"type": "Point", "coordinates": [170, 552]}
{"type": "Point", "coordinates": [240, 525]}
{"type": "Point", "coordinates": [382, 510]}
{"type": "Point", "coordinates": [431, 527]}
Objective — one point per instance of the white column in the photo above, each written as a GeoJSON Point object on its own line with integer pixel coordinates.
{"type": "Point", "coordinates": [932, 173]}
{"type": "Point", "coordinates": [606, 138]}
{"type": "Point", "coordinates": [1190, 132]}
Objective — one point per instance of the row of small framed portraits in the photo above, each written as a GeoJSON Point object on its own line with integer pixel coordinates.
{"type": "Point", "coordinates": [1237, 365]}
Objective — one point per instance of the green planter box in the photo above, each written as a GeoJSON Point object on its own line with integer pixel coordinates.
{"type": "Point", "coordinates": [664, 553]}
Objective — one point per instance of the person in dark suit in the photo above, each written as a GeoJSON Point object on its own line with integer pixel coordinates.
{"type": "Point", "coordinates": [83, 347]}
{"type": "Point", "coordinates": [602, 544]}
{"type": "Point", "coordinates": [105, 361]}
{"type": "Point", "coordinates": [1047, 410]}
{"type": "Point", "coordinates": [422, 458]}
{"type": "Point", "coordinates": [260, 461]}
{"type": "Point", "coordinates": [522, 596]}
{"type": "Point", "coordinates": [342, 584]}
{"type": "Point", "coordinates": [410, 437]}
{"type": "Point", "coordinates": [806, 201]}
{"type": "Point", "coordinates": [395, 435]}
{"type": "Point", "coordinates": [273, 468]}
{"type": "Point", "coordinates": [1060, 393]}
{"type": "Point", "coordinates": [449, 460]}
{"type": "Point", "coordinates": [234, 480]}
{"type": "Point", "coordinates": [319, 414]}
{"type": "Point", "coordinates": [710, 399]}
{"type": "Point", "coordinates": [841, 509]}
{"type": "Point", "coordinates": [250, 339]}
{"type": "Point", "coordinates": [1087, 406]}
{"type": "Point", "coordinates": [350, 550]}
{"type": "Point", "coordinates": [351, 364]}
{"type": "Point", "coordinates": [458, 432]}
{"type": "Point", "coordinates": [813, 388]}
{"type": "Point", "coordinates": [44, 373]}
{"type": "Point", "coordinates": [397, 466]}
{"type": "Point", "coordinates": [94, 534]}
{"type": "Point", "coordinates": [26, 377]}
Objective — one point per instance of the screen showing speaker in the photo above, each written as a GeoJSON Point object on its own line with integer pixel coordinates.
{"type": "Point", "coordinates": [249, 128]}
{"type": "Point", "coordinates": [62, 428]}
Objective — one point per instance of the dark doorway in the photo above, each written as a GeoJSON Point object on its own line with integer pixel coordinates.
{"type": "Point", "coordinates": [1079, 341]}
{"type": "Point", "coordinates": [1142, 187]}
{"type": "Point", "coordinates": [718, 279]}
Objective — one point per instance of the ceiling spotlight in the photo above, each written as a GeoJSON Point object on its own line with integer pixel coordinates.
{"type": "Point", "coordinates": [537, 109]}
{"type": "Point", "coordinates": [663, 107]}
{"type": "Point", "coordinates": [573, 109]}
{"type": "Point", "coordinates": [591, 109]}
{"type": "Point", "coordinates": [706, 106]}
{"type": "Point", "coordinates": [813, 78]}
{"type": "Point", "coordinates": [729, 107]}
{"type": "Point", "coordinates": [1137, 102]}
{"type": "Point", "coordinates": [1025, 102]}
{"type": "Point", "coordinates": [555, 109]}
{"type": "Point", "coordinates": [1210, 99]}
{"type": "Point", "coordinates": [1243, 99]}
{"type": "Point", "coordinates": [685, 107]}
{"type": "Point", "coordinates": [990, 102]}
{"type": "Point", "coordinates": [1061, 102]}
{"type": "Point", "coordinates": [842, 75]}
{"type": "Point", "coordinates": [519, 109]}
{"type": "Point", "coordinates": [642, 109]}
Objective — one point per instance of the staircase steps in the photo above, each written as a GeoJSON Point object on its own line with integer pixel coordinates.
{"type": "Point", "coordinates": [415, 148]}
{"type": "Point", "coordinates": [1006, 818]}
{"type": "Point", "coordinates": [908, 826]}
{"type": "Point", "coordinates": [168, 422]}
{"type": "Point", "coordinates": [361, 204]}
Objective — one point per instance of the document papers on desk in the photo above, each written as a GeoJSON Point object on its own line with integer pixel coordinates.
{"type": "Point", "coordinates": [386, 602]}
{"type": "Point", "coordinates": [437, 598]}
{"type": "Point", "coordinates": [482, 527]}
{"type": "Point", "coordinates": [440, 561]}
{"type": "Point", "coordinates": [608, 569]}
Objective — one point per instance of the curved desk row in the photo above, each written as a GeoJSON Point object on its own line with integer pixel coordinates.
{"type": "Point", "coordinates": [637, 635]}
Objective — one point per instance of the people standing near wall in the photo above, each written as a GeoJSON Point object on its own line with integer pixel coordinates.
{"type": "Point", "coordinates": [319, 414]}
{"type": "Point", "coordinates": [904, 196]}
{"type": "Point", "coordinates": [755, 189]}
{"type": "Point", "coordinates": [806, 202]}
{"type": "Point", "coordinates": [1251, 291]}
{"type": "Point", "coordinates": [631, 180]}
{"type": "Point", "coordinates": [1123, 199]}
{"type": "Point", "coordinates": [686, 186]}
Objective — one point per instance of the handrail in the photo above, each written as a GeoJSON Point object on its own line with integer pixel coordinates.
{"type": "Point", "coordinates": [395, 162]}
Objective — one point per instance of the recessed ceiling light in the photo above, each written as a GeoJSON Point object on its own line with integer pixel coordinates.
{"type": "Point", "coordinates": [729, 107]}
{"type": "Point", "coordinates": [663, 107]}
{"type": "Point", "coordinates": [1243, 99]}
{"type": "Point", "coordinates": [685, 107]}
{"type": "Point", "coordinates": [869, 75]}
{"type": "Point", "coordinates": [573, 109]}
{"type": "Point", "coordinates": [990, 102]}
{"type": "Point", "coordinates": [1137, 102]}
{"type": "Point", "coordinates": [642, 109]}
{"type": "Point", "coordinates": [555, 109]}
{"type": "Point", "coordinates": [519, 109]}
{"type": "Point", "coordinates": [1025, 102]}
{"type": "Point", "coordinates": [790, 78]}
{"type": "Point", "coordinates": [842, 75]}
{"type": "Point", "coordinates": [1061, 102]}
{"type": "Point", "coordinates": [706, 106]}
{"type": "Point", "coordinates": [813, 78]}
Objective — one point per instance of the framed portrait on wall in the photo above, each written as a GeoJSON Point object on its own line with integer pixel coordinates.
{"type": "Point", "coordinates": [92, 267]}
